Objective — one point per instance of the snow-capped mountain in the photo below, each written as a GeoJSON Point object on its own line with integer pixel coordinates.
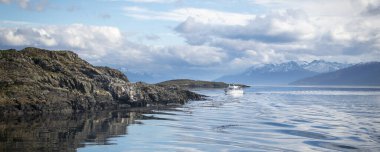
{"type": "Point", "coordinates": [282, 73]}
{"type": "Point", "coordinates": [322, 66]}
{"type": "Point", "coordinates": [365, 74]}
{"type": "Point", "coordinates": [283, 67]}
{"type": "Point", "coordinates": [319, 66]}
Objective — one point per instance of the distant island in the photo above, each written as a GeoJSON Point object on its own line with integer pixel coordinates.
{"type": "Point", "coordinates": [193, 84]}
{"type": "Point", "coordinates": [367, 74]}
{"type": "Point", "coordinates": [37, 80]}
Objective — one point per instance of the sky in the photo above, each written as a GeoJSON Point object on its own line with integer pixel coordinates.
{"type": "Point", "coordinates": [198, 39]}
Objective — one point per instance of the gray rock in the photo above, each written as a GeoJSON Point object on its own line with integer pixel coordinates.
{"type": "Point", "coordinates": [37, 80]}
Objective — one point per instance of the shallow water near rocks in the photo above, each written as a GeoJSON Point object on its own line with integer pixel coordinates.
{"type": "Point", "coordinates": [265, 118]}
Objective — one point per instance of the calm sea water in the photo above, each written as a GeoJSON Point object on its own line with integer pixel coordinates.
{"type": "Point", "coordinates": [263, 119]}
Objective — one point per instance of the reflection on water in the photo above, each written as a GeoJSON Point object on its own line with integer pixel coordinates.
{"type": "Point", "coordinates": [62, 132]}
{"type": "Point", "coordinates": [263, 119]}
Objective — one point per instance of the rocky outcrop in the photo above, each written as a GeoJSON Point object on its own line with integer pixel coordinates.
{"type": "Point", "coordinates": [37, 80]}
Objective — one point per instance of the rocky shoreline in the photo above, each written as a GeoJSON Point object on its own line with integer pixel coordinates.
{"type": "Point", "coordinates": [35, 80]}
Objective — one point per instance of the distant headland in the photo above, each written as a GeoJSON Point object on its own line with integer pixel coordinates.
{"type": "Point", "coordinates": [194, 84]}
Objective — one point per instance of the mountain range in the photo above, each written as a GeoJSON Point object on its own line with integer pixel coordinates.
{"type": "Point", "coordinates": [359, 74]}
{"type": "Point", "coordinates": [321, 66]}
{"type": "Point", "coordinates": [317, 72]}
{"type": "Point", "coordinates": [283, 73]}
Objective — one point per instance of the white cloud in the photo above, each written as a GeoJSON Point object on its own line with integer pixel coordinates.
{"type": "Point", "coordinates": [90, 40]}
{"type": "Point", "coordinates": [294, 34]}
{"type": "Point", "coordinates": [10, 38]}
{"type": "Point", "coordinates": [340, 35]}
{"type": "Point", "coordinates": [254, 57]}
{"type": "Point", "coordinates": [199, 55]}
{"type": "Point", "coordinates": [310, 30]}
{"type": "Point", "coordinates": [200, 15]}
{"type": "Point", "coordinates": [280, 26]}
{"type": "Point", "coordinates": [105, 45]}
{"type": "Point", "coordinates": [217, 41]}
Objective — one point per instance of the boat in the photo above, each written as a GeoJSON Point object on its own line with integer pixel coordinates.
{"type": "Point", "coordinates": [233, 90]}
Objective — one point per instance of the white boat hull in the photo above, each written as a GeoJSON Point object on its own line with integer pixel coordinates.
{"type": "Point", "coordinates": [234, 92]}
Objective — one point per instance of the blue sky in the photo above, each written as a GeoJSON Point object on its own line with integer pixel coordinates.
{"type": "Point", "coordinates": [199, 39]}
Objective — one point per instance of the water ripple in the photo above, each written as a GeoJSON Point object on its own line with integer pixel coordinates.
{"type": "Point", "coordinates": [333, 146]}
{"type": "Point", "coordinates": [278, 124]}
{"type": "Point", "coordinates": [308, 134]}
{"type": "Point", "coordinates": [265, 119]}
